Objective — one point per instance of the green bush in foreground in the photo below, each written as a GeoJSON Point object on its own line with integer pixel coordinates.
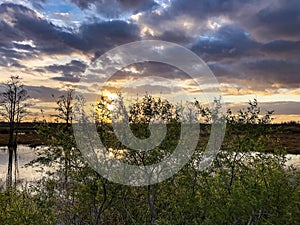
{"type": "Point", "coordinates": [21, 207]}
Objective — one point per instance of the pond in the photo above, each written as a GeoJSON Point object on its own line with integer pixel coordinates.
{"type": "Point", "coordinates": [28, 174]}
{"type": "Point", "coordinates": [25, 155]}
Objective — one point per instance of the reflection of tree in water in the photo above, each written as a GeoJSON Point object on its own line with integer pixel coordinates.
{"type": "Point", "coordinates": [13, 109]}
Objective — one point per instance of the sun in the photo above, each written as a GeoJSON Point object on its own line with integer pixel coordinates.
{"type": "Point", "coordinates": [105, 106]}
{"type": "Point", "coordinates": [112, 97]}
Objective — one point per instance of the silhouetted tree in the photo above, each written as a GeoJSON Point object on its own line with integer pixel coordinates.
{"type": "Point", "coordinates": [65, 107]}
{"type": "Point", "coordinates": [13, 109]}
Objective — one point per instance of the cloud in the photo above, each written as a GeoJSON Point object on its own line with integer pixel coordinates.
{"type": "Point", "coordinates": [251, 44]}
{"type": "Point", "coordinates": [67, 78]}
{"type": "Point", "coordinates": [267, 20]}
{"type": "Point", "coordinates": [278, 20]}
{"type": "Point", "coordinates": [282, 48]}
{"type": "Point", "coordinates": [70, 72]}
{"type": "Point", "coordinates": [116, 8]}
{"type": "Point", "coordinates": [74, 66]}
{"type": "Point", "coordinates": [227, 42]}
{"type": "Point", "coordinates": [150, 89]}
{"type": "Point", "coordinates": [24, 24]}
{"type": "Point", "coordinates": [21, 23]}
{"type": "Point", "coordinates": [274, 71]}
{"type": "Point", "coordinates": [197, 13]}
{"type": "Point", "coordinates": [280, 108]}
{"type": "Point", "coordinates": [105, 35]}
{"type": "Point", "coordinates": [145, 70]}
{"type": "Point", "coordinates": [175, 36]}
{"type": "Point", "coordinates": [207, 8]}
{"type": "Point", "coordinates": [261, 75]}
{"type": "Point", "coordinates": [44, 94]}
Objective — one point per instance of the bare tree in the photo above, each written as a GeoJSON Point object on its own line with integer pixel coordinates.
{"type": "Point", "coordinates": [65, 107]}
{"type": "Point", "coordinates": [13, 108]}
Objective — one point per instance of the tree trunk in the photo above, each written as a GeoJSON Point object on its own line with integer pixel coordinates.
{"type": "Point", "coordinates": [9, 169]}
{"type": "Point", "coordinates": [16, 165]}
{"type": "Point", "coordinates": [12, 149]}
{"type": "Point", "coordinates": [151, 196]}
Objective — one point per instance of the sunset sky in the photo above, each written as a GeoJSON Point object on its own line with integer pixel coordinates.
{"type": "Point", "coordinates": [252, 46]}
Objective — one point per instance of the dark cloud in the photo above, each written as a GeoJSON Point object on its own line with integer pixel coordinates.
{"type": "Point", "coordinates": [274, 71]}
{"type": "Point", "coordinates": [176, 36]}
{"type": "Point", "coordinates": [258, 75]}
{"type": "Point", "coordinates": [227, 42]}
{"type": "Point", "coordinates": [267, 20]}
{"type": "Point", "coordinates": [68, 78]}
{"type": "Point", "coordinates": [21, 23]}
{"type": "Point", "coordinates": [70, 72]}
{"type": "Point", "coordinates": [12, 55]}
{"type": "Point", "coordinates": [149, 69]}
{"type": "Point", "coordinates": [105, 35]}
{"type": "Point", "coordinates": [74, 66]}
{"type": "Point", "coordinates": [116, 8]}
{"type": "Point", "coordinates": [207, 8]}
{"type": "Point", "coordinates": [201, 11]}
{"type": "Point", "coordinates": [44, 94]}
{"type": "Point", "coordinates": [10, 52]}
{"type": "Point", "coordinates": [221, 69]}
{"type": "Point", "coordinates": [280, 47]}
{"type": "Point", "coordinates": [50, 39]}
{"type": "Point", "coordinates": [255, 43]}
{"type": "Point", "coordinates": [84, 4]}
{"type": "Point", "coordinates": [278, 20]}
{"type": "Point", "coordinates": [7, 31]}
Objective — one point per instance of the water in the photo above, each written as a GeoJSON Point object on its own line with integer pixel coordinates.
{"type": "Point", "coordinates": [293, 160]}
{"type": "Point", "coordinates": [25, 155]}
{"type": "Point", "coordinates": [29, 174]}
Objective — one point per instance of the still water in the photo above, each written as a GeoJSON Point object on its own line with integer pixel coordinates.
{"type": "Point", "coordinates": [28, 174]}
{"type": "Point", "coordinates": [25, 155]}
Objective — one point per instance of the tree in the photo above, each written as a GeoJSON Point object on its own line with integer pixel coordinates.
{"type": "Point", "coordinates": [59, 136]}
{"type": "Point", "coordinates": [65, 107]}
{"type": "Point", "coordinates": [13, 109]}
{"type": "Point", "coordinates": [76, 192]}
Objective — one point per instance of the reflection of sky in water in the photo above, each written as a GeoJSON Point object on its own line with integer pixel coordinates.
{"type": "Point", "coordinates": [26, 154]}
{"type": "Point", "coordinates": [293, 160]}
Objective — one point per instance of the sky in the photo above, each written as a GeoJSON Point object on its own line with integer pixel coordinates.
{"type": "Point", "coordinates": [251, 46]}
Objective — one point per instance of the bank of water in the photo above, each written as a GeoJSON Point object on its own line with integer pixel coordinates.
{"type": "Point", "coordinates": [28, 174]}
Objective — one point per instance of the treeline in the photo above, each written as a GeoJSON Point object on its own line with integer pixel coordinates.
{"type": "Point", "coordinates": [239, 187]}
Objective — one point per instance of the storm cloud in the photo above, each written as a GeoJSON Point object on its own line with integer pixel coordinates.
{"type": "Point", "coordinates": [250, 44]}
{"type": "Point", "coordinates": [116, 8]}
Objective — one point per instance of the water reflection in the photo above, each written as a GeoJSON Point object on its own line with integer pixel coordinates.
{"type": "Point", "coordinates": [25, 155]}
{"type": "Point", "coordinates": [28, 174]}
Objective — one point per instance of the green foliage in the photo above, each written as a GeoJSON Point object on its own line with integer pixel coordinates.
{"type": "Point", "coordinates": [24, 208]}
{"type": "Point", "coordinates": [244, 185]}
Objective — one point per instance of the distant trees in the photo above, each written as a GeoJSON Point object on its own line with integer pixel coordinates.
{"type": "Point", "coordinates": [13, 107]}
